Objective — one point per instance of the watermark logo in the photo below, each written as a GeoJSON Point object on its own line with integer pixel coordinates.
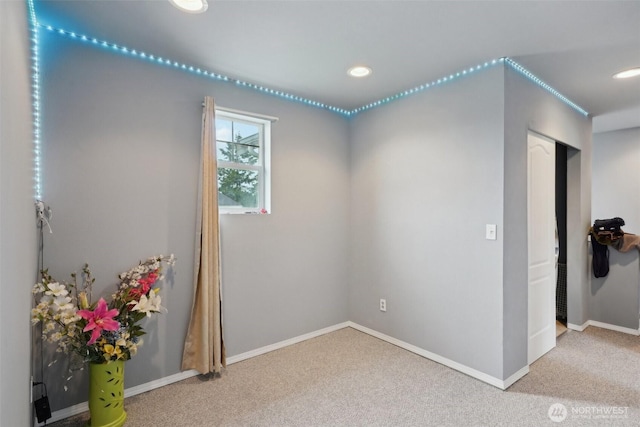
{"type": "Point", "coordinates": [557, 412]}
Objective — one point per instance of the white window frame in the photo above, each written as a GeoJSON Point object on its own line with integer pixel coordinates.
{"type": "Point", "coordinates": [264, 160]}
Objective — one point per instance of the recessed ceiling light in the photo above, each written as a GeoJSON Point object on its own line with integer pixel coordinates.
{"type": "Point", "coordinates": [190, 6]}
{"type": "Point", "coordinates": [359, 71]}
{"type": "Point", "coordinates": [632, 72]}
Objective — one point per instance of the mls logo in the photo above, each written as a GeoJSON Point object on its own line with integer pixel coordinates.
{"type": "Point", "coordinates": [557, 412]}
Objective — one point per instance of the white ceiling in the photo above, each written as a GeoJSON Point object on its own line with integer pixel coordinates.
{"type": "Point", "coordinates": [305, 47]}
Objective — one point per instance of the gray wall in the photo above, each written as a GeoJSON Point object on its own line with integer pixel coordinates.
{"type": "Point", "coordinates": [528, 107]}
{"type": "Point", "coordinates": [615, 299]}
{"type": "Point", "coordinates": [17, 218]}
{"type": "Point", "coordinates": [616, 177]}
{"type": "Point", "coordinates": [427, 175]}
{"type": "Point", "coordinates": [121, 153]}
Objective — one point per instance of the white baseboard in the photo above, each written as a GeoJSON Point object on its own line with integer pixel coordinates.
{"type": "Point", "coordinates": [515, 377]}
{"type": "Point", "coordinates": [622, 329]}
{"type": "Point", "coordinates": [585, 325]}
{"type": "Point", "coordinates": [142, 388]}
{"type": "Point", "coordinates": [501, 384]}
{"type": "Point", "coordinates": [285, 343]}
{"type": "Point", "coordinates": [161, 382]}
{"type": "Point", "coordinates": [578, 328]}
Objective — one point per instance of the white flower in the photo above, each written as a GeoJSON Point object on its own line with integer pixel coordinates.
{"type": "Point", "coordinates": [61, 303]}
{"type": "Point", "coordinates": [35, 317]}
{"type": "Point", "coordinates": [133, 348]}
{"type": "Point", "coordinates": [149, 305]}
{"type": "Point", "coordinates": [70, 317]}
{"type": "Point", "coordinates": [56, 289]}
{"type": "Point", "coordinates": [46, 301]}
{"type": "Point", "coordinates": [155, 300]}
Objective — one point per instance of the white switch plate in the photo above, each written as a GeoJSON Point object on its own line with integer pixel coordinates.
{"type": "Point", "coordinates": [492, 232]}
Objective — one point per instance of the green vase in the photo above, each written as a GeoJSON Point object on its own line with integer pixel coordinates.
{"type": "Point", "coordinates": [106, 394]}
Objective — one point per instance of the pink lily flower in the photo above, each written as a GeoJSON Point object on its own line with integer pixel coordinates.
{"type": "Point", "coordinates": [99, 319]}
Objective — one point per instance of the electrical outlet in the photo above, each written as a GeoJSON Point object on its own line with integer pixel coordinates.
{"type": "Point", "coordinates": [383, 305]}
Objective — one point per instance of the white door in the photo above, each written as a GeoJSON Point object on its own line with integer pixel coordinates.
{"type": "Point", "coordinates": [541, 244]}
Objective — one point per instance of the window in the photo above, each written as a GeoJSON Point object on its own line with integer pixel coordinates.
{"type": "Point", "coordinates": [242, 144]}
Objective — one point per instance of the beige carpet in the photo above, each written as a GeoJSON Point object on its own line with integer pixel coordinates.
{"type": "Point", "coordinates": [348, 378]}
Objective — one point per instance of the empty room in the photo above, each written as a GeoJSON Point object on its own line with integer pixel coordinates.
{"type": "Point", "coordinates": [319, 213]}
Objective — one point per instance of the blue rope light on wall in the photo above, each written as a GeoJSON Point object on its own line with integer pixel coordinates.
{"type": "Point", "coordinates": [425, 86]}
{"type": "Point", "coordinates": [35, 93]}
{"type": "Point", "coordinates": [347, 113]}
{"type": "Point", "coordinates": [188, 68]}
{"type": "Point", "coordinates": [528, 74]}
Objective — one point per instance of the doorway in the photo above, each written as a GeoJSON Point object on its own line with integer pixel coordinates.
{"type": "Point", "coordinates": [547, 229]}
{"type": "Point", "coordinates": [561, 218]}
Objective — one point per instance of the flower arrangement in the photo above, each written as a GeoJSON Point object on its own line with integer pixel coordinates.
{"type": "Point", "coordinates": [99, 332]}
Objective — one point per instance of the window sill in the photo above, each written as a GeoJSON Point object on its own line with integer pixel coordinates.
{"type": "Point", "coordinates": [244, 213]}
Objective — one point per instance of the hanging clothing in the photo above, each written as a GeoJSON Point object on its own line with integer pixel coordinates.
{"type": "Point", "coordinates": [600, 260]}
{"type": "Point", "coordinates": [604, 232]}
{"type": "Point", "coordinates": [627, 242]}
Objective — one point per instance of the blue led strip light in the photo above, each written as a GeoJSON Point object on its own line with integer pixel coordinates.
{"type": "Point", "coordinates": [35, 93]}
{"type": "Point", "coordinates": [528, 74]}
{"type": "Point", "coordinates": [184, 67]}
{"type": "Point", "coordinates": [347, 113]}
{"type": "Point", "coordinates": [423, 87]}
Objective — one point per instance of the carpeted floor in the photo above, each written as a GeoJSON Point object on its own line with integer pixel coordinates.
{"type": "Point", "coordinates": [348, 378]}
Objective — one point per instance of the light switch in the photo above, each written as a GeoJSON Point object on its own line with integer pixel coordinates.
{"type": "Point", "coordinates": [492, 233]}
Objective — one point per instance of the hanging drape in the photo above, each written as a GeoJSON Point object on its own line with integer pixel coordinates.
{"type": "Point", "coordinates": [204, 347]}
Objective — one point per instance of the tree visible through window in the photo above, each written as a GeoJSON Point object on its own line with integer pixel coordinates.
{"type": "Point", "coordinates": [242, 151]}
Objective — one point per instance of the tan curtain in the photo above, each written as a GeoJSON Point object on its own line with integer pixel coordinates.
{"type": "Point", "coordinates": [203, 347]}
